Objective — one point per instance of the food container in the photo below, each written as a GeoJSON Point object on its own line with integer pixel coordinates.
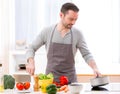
{"type": "Point", "coordinates": [99, 81]}
{"type": "Point", "coordinates": [22, 77]}
{"type": "Point", "coordinates": [44, 83]}
{"type": "Point", "coordinates": [75, 88]}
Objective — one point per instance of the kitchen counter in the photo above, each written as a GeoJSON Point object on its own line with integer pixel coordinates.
{"type": "Point", "coordinates": [112, 88]}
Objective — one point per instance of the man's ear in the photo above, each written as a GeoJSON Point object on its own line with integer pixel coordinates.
{"type": "Point", "coordinates": [61, 14]}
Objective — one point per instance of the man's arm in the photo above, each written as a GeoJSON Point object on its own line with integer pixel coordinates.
{"type": "Point", "coordinates": [31, 49]}
{"type": "Point", "coordinates": [86, 54]}
{"type": "Point", "coordinates": [93, 65]}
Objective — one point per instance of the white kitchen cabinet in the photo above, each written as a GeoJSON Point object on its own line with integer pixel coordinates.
{"type": "Point", "coordinates": [16, 57]}
{"type": "Point", "coordinates": [19, 57]}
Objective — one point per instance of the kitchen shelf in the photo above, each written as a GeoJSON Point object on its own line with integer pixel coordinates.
{"type": "Point", "coordinates": [23, 52]}
{"type": "Point", "coordinates": [18, 52]}
{"type": "Point", "coordinates": [21, 72]}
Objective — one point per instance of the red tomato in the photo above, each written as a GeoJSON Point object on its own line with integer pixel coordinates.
{"type": "Point", "coordinates": [20, 86]}
{"type": "Point", "coordinates": [63, 80]}
{"type": "Point", "coordinates": [26, 85]}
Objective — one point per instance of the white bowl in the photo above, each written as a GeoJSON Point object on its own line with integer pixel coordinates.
{"type": "Point", "coordinates": [75, 88]}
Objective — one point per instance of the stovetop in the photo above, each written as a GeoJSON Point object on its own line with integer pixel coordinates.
{"type": "Point", "coordinates": [111, 87]}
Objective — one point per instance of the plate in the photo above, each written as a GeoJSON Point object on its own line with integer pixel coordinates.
{"type": "Point", "coordinates": [23, 91]}
{"type": "Point", "coordinates": [61, 92]}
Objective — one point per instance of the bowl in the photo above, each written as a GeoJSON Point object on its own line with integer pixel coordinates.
{"type": "Point", "coordinates": [75, 88]}
{"type": "Point", "coordinates": [44, 83]}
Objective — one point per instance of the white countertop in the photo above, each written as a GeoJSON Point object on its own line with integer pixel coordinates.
{"type": "Point", "coordinates": [112, 88]}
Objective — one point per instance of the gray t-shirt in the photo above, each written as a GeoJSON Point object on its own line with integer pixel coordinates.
{"type": "Point", "coordinates": [45, 36]}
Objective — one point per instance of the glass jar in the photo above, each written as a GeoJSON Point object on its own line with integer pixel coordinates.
{"type": "Point", "coordinates": [1, 79]}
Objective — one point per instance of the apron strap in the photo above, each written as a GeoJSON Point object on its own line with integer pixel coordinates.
{"type": "Point", "coordinates": [53, 33]}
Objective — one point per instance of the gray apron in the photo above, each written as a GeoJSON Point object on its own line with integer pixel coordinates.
{"type": "Point", "coordinates": [61, 60]}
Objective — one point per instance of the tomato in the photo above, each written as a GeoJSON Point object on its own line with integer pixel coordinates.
{"type": "Point", "coordinates": [20, 86]}
{"type": "Point", "coordinates": [26, 85]}
{"type": "Point", "coordinates": [63, 80]}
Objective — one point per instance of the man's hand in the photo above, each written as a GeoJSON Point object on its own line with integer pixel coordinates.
{"type": "Point", "coordinates": [97, 73]}
{"type": "Point", "coordinates": [30, 66]}
{"type": "Point", "coordinates": [93, 65]}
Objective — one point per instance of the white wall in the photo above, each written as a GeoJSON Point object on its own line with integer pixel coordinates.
{"type": "Point", "coordinates": [99, 21]}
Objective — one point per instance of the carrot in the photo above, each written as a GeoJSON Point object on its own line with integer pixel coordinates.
{"type": "Point", "coordinates": [62, 88]}
{"type": "Point", "coordinates": [66, 90]}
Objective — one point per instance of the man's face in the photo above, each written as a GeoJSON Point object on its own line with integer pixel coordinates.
{"type": "Point", "coordinates": [69, 19]}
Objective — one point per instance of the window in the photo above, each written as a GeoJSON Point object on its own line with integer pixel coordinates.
{"type": "Point", "coordinates": [32, 15]}
{"type": "Point", "coordinates": [99, 21]}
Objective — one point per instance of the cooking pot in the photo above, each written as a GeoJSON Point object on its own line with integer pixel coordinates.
{"type": "Point", "coordinates": [99, 81]}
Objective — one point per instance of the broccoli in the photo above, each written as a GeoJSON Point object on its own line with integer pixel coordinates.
{"type": "Point", "coordinates": [9, 82]}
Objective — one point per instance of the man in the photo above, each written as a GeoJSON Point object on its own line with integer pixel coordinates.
{"type": "Point", "coordinates": [62, 41]}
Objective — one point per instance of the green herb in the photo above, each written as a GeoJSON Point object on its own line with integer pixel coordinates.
{"type": "Point", "coordinates": [44, 76]}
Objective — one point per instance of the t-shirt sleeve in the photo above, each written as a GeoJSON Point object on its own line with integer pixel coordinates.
{"type": "Point", "coordinates": [82, 46]}
{"type": "Point", "coordinates": [36, 44]}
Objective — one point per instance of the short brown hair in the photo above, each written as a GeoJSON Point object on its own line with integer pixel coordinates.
{"type": "Point", "coordinates": [69, 6]}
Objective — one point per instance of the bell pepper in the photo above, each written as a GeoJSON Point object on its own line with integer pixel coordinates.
{"type": "Point", "coordinates": [51, 89]}
{"type": "Point", "coordinates": [63, 80]}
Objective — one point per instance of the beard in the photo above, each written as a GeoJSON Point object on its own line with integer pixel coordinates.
{"type": "Point", "coordinates": [68, 26]}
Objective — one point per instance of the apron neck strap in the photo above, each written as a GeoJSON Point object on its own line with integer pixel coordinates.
{"type": "Point", "coordinates": [53, 33]}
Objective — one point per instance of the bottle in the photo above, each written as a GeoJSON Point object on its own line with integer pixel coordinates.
{"type": "Point", "coordinates": [1, 79]}
{"type": "Point", "coordinates": [36, 85]}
